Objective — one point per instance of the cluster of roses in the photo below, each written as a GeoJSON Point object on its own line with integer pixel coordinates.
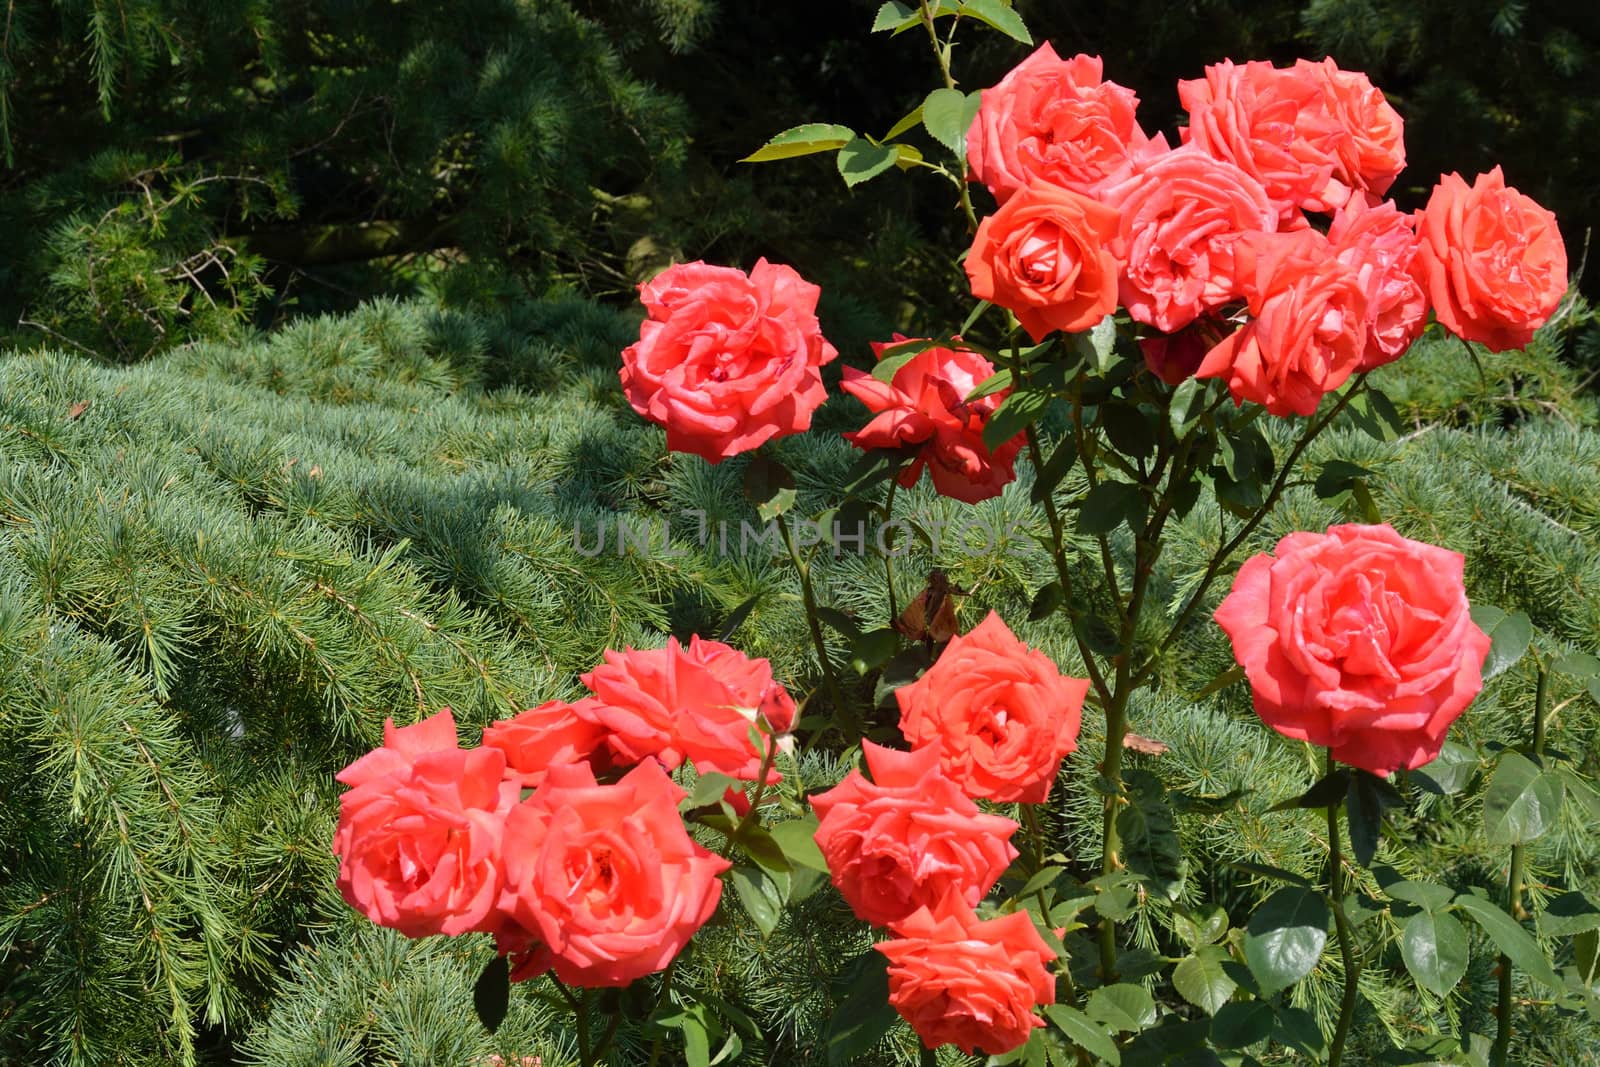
{"type": "Point", "coordinates": [910, 851]}
{"type": "Point", "coordinates": [1210, 244]}
{"type": "Point", "coordinates": [599, 882]}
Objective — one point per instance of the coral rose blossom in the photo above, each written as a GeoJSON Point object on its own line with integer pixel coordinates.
{"type": "Point", "coordinates": [1358, 640]}
{"type": "Point", "coordinates": [695, 704]}
{"type": "Point", "coordinates": [1381, 245]}
{"type": "Point", "coordinates": [1001, 715]}
{"type": "Point", "coordinates": [1492, 260]}
{"type": "Point", "coordinates": [1046, 257]}
{"type": "Point", "coordinates": [902, 840]}
{"type": "Point", "coordinates": [1180, 216]}
{"type": "Point", "coordinates": [964, 982]}
{"type": "Point", "coordinates": [1054, 121]}
{"type": "Point", "coordinates": [604, 879]}
{"type": "Point", "coordinates": [727, 361]}
{"type": "Point", "coordinates": [1308, 331]}
{"type": "Point", "coordinates": [552, 734]}
{"type": "Point", "coordinates": [1369, 151]}
{"type": "Point", "coordinates": [1274, 125]}
{"type": "Point", "coordinates": [419, 832]}
{"type": "Point", "coordinates": [926, 404]}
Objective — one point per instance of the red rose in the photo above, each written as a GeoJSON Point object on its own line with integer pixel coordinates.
{"type": "Point", "coordinates": [1055, 122]}
{"type": "Point", "coordinates": [902, 840]}
{"type": "Point", "coordinates": [697, 704]}
{"type": "Point", "coordinates": [1370, 149]}
{"type": "Point", "coordinates": [1492, 260]}
{"type": "Point", "coordinates": [1358, 640]}
{"type": "Point", "coordinates": [1180, 216]}
{"type": "Point", "coordinates": [926, 404]}
{"type": "Point", "coordinates": [960, 981]}
{"type": "Point", "coordinates": [1308, 331]}
{"type": "Point", "coordinates": [1274, 125]}
{"type": "Point", "coordinates": [550, 735]}
{"type": "Point", "coordinates": [1173, 357]}
{"type": "Point", "coordinates": [727, 361]}
{"type": "Point", "coordinates": [1381, 245]}
{"type": "Point", "coordinates": [418, 839]}
{"type": "Point", "coordinates": [1000, 714]}
{"type": "Point", "coordinates": [604, 879]}
{"type": "Point", "coordinates": [1046, 257]}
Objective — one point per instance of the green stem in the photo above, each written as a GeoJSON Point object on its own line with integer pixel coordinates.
{"type": "Point", "coordinates": [888, 552]}
{"type": "Point", "coordinates": [580, 1011]}
{"type": "Point", "coordinates": [1341, 922]}
{"type": "Point", "coordinates": [1218, 561]}
{"type": "Point", "coordinates": [1514, 886]}
{"type": "Point", "coordinates": [835, 694]}
{"type": "Point", "coordinates": [661, 1001]}
{"type": "Point", "coordinates": [941, 53]}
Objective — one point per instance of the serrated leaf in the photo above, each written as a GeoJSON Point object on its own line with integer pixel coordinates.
{"type": "Point", "coordinates": [1336, 476]}
{"type": "Point", "coordinates": [809, 139]}
{"type": "Point", "coordinates": [1128, 430]}
{"type": "Point", "coordinates": [998, 382]}
{"type": "Point", "coordinates": [1045, 601]}
{"type": "Point", "coordinates": [769, 486]}
{"type": "Point", "coordinates": [1434, 947]}
{"type": "Point", "coordinates": [863, 1014]}
{"type": "Point", "coordinates": [1570, 913]}
{"type": "Point", "coordinates": [798, 841]}
{"type": "Point", "coordinates": [491, 993]}
{"type": "Point", "coordinates": [895, 15]}
{"type": "Point", "coordinates": [1509, 936]}
{"type": "Point", "coordinates": [1423, 894]}
{"type": "Point", "coordinates": [1200, 928]}
{"type": "Point", "coordinates": [947, 115]}
{"type": "Point", "coordinates": [1201, 979]}
{"type": "Point", "coordinates": [1509, 636]}
{"type": "Point", "coordinates": [910, 119]}
{"type": "Point", "coordinates": [1522, 801]}
{"type": "Point", "coordinates": [1285, 937]}
{"type": "Point", "coordinates": [1242, 1024]}
{"type": "Point", "coordinates": [998, 14]}
{"type": "Point", "coordinates": [1149, 835]}
{"type": "Point", "coordinates": [1014, 415]}
{"type": "Point", "coordinates": [1083, 1032]}
{"type": "Point", "coordinates": [1055, 468]}
{"type": "Point", "coordinates": [1449, 772]}
{"type": "Point", "coordinates": [860, 160]}
{"type": "Point", "coordinates": [708, 789]}
{"type": "Point", "coordinates": [1327, 791]}
{"type": "Point", "coordinates": [1366, 800]}
{"type": "Point", "coordinates": [1123, 1007]}
{"type": "Point", "coordinates": [1186, 405]}
{"type": "Point", "coordinates": [1108, 505]}
{"type": "Point", "coordinates": [760, 895]}
{"type": "Point", "coordinates": [736, 618]}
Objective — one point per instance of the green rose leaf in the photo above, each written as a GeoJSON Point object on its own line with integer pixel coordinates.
{"type": "Point", "coordinates": [863, 1015]}
{"type": "Point", "coordinates": [1508, 934]}
{"type": "Point", "coordinates": [860, 160]}
{"type": "Point", "coordinates": [947, 115]}
{"type": "Point", "coordinates": [998, 14]}
{"type": "Point", "coordinates": [797, 839]}
{"type": "Point", "coordinates": [761, 896]}
{"type": "Point", "coordinates": [1202, 980]}
{"type": "Point", "coordinates": [805, 140]}
{"type": "Point", "coordinates": [1084, 1032]}
{"type": "Point", "coordinates": [491, 993]}
{"type": "Point", "coordinates": [1015, 414]}
{"type": "Point", "coordinates": [1509, 636]}
{"type": "Point", "coordinates": [1285, 937]}
{"type": "Point", "coordinates": [1124, 1007]}
{"type": "Point", "coordinates": [1242, 1024]}
{"type": "Point", "coordinates": [1434, 947]}
{"type": "Point", "coordinates": [1522, 801]}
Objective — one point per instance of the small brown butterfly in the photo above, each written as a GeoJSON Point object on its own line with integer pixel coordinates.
{"type": "Point", "coordinates": [931, 615]}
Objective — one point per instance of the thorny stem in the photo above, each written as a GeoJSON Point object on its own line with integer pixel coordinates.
{"type": "Point", "coordinates": [1341, 922]}
{"type": "Point", "coordinates": [888, 554]}
{"type": "Point", "coordinates": [1514, 886]}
